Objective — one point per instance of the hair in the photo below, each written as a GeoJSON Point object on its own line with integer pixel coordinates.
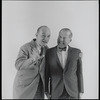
{"type": "Point", "coordinates": [41, 28]}
{"type": "Point", "coordinates": [66, 29]}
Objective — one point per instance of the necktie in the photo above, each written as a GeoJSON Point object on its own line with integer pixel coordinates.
{"type": "Point", "coordinates": [41, 52]}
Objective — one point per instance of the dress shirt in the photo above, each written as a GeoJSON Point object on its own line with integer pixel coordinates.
{"type": "Point", "coordinates": [63, 56]}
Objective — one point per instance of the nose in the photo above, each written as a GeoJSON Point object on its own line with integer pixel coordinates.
{"type": "Point", "coordinates": [61, 39]}
{"type": "Point", "coordinates": [46, 39]}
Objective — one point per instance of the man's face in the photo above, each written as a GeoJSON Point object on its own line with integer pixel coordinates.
{"type": "Point", "coordinates": [64, 38]}
{"type": "Point", "coordinates": [43, 36]}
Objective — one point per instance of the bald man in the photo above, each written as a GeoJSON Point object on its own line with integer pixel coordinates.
{"type": "Point", "coordinates": [30, 63]}
{"type": "Point", "coordinates": [63, 71]}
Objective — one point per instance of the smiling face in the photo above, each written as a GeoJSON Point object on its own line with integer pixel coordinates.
{"type": "Point", "coordinates": [43, 36]}
{"type": "Point", "coordinates": [64, 38]}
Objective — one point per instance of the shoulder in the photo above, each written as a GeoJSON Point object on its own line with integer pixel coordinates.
{"type": "Point", "coordinates": [51, 49]}
{"type": "Point", "coordinates": [27, 45]}
{"type": "Point", "coordinates": [77, 51]}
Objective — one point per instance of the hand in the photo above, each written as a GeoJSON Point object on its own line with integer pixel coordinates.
{"type": "Point", "coordinates": [35, 55]}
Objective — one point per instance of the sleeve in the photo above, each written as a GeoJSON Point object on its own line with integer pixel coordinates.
{"type": "Point", "coordinates": [47, 75]}
{"type": "Point", "coordinates": [80, 75]}
{"type": "Point", "coordinates": [23, 61]}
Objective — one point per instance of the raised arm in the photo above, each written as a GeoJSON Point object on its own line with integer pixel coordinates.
{"type": "Point", "coordinates": [25, 61]}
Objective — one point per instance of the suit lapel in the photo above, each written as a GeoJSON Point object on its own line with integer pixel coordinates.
{"type": "Point", "coordinates": [56, 57]}
{"type": "Point", "coordinates": [68, 58]}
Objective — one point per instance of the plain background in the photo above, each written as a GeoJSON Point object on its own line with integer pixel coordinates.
{"type": "Point", "coordinates": [20, 20]}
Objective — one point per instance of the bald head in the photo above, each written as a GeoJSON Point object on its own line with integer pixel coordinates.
{"type": "Point", "coordinates": [66, 31]}
{"type": "Point", "coordinates": [43, 35]}
{"type": "Point", "coordinates": [43, 28]}
{"type": "Point", "coordinates": [65, 37]}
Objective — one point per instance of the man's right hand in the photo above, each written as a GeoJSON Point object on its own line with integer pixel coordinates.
{"type": "Point", "coordinates": [35, 55]}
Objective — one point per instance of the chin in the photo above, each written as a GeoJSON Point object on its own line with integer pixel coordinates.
{"type": "Point", "coordinates": [44, 44]}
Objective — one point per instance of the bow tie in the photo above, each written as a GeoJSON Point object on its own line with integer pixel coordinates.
{"type": "Point", "coordinates": [62, 49]}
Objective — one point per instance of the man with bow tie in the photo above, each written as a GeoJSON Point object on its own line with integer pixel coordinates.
{"type": "Point", "coordinates": [63, 71]}
{"type": "Point", "coordinates": [30, 65]}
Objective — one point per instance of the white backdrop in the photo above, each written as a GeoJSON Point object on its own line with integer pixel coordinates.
{"type": "Point", "coordinates": [20, 20]}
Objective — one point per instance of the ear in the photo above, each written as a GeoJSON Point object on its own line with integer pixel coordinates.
{"type": "Point", "coordinates": [36, 34]}
{"type": "Point", "coordinates": [70, 40]}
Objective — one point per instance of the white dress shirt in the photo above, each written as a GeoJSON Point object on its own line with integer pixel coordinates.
{"type": "Point", "coordinates": [63, 57]}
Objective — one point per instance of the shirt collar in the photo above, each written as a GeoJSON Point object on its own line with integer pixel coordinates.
{"type": "Point", "coordinates": [36, 45]}
{"type": "Point", "coordinates": [67, 48]}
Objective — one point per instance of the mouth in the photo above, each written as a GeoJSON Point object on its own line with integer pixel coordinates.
{"type": "Point", "coordinates": [44, 42]}
{"type": "Point", "coordinates": [61, 43]}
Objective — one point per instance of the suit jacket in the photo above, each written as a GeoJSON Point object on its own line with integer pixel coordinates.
{"type": "Point", "coordinates": [28, 74]}
{"type": "Point", "coordinates": [71, 76]}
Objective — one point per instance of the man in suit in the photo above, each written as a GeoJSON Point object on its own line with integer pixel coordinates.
{"type": "Point", "coordinates": [29, 81]}
{"type": "Point", "coordinates": [63, 70]}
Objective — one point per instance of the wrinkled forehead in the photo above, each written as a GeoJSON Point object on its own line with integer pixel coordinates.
{"type": "Point", "coordinates": [64, 33]}
{"type": "Point", "coordinates": [44, 30]}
